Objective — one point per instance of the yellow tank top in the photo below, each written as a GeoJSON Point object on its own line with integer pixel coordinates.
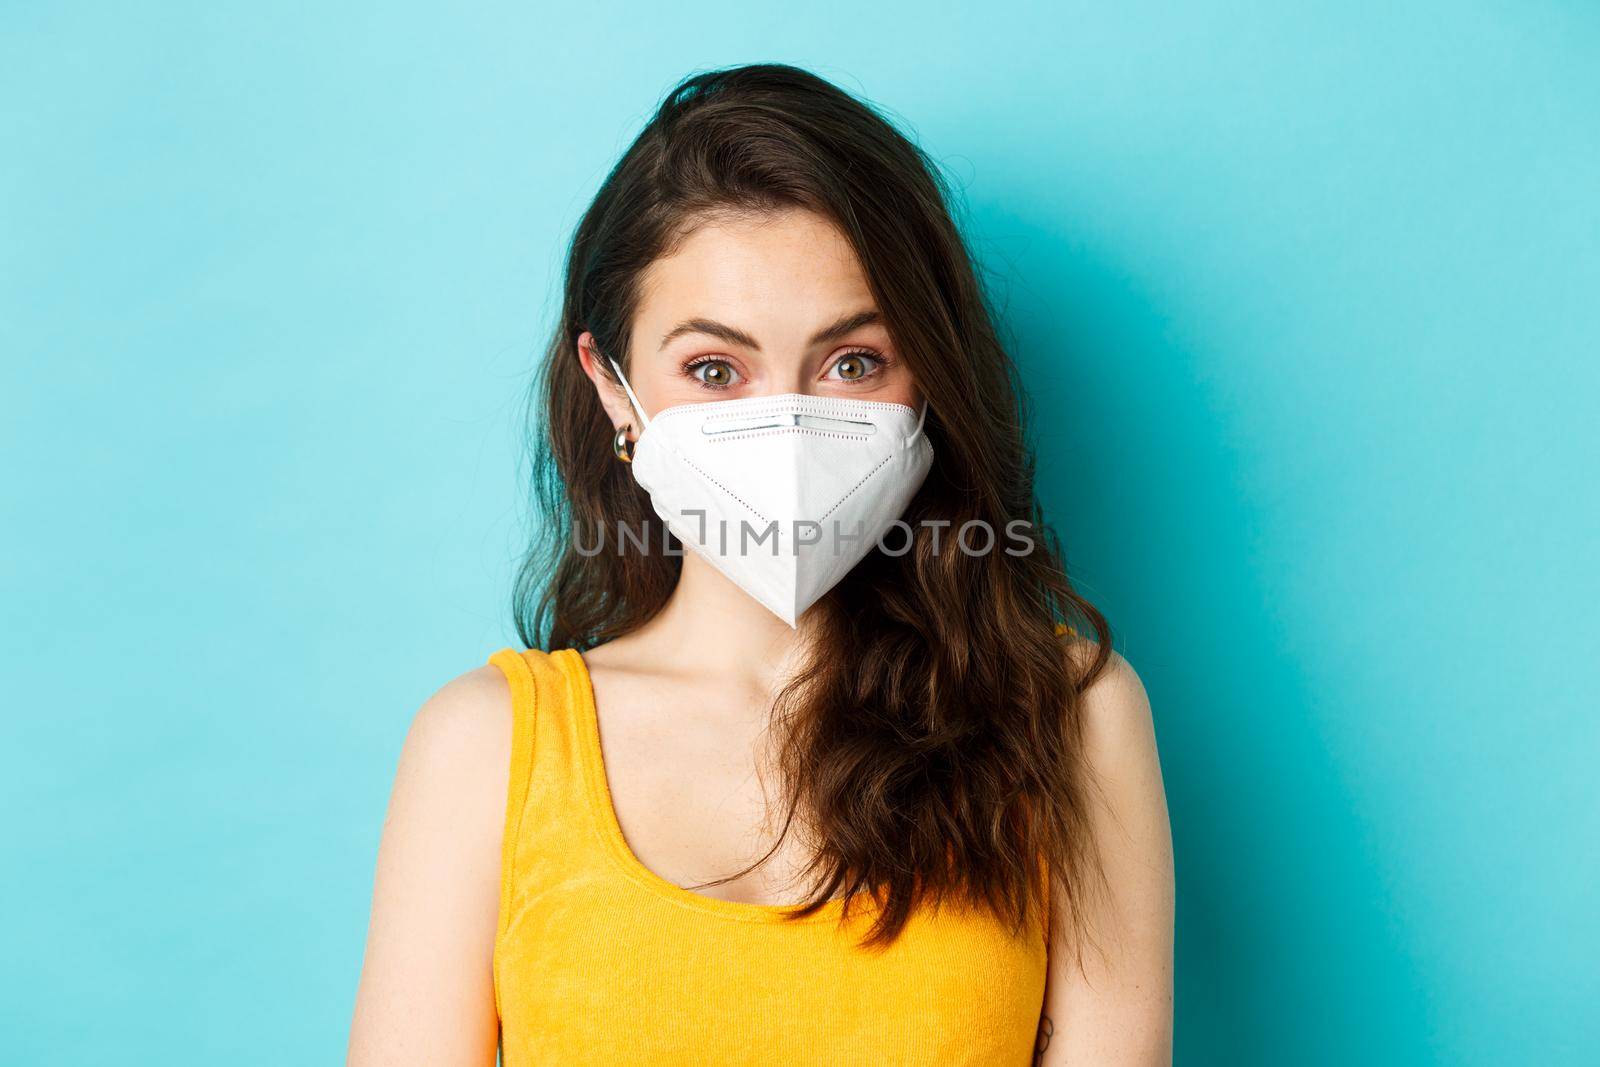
{"type": "Point", "coordinates": [598, 960]}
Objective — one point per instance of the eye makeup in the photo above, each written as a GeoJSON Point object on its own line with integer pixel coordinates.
{"type": "Point", "coordinates": [716, 372]}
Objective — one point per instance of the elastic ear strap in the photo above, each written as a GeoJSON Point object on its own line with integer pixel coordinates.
{"type": "Point", "coordinates": [922, 418]}
{"type": "Point", "coordinates": [644, 420]}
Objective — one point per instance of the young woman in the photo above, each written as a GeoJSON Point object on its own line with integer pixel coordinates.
{"type": "Point", "coordinates": [817, 768]}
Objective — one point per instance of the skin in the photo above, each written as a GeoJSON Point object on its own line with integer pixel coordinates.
{"type": "Point", "coordinates": [736, 311]}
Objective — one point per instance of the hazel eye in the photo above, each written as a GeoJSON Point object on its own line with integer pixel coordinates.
{"type": "Point", "coordinates": [853, 366]}
{"type": "Point", "coordinates": [714, 372]}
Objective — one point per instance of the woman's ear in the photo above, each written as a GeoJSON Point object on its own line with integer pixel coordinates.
{"type": "Point", "coordinates": [612, 398]}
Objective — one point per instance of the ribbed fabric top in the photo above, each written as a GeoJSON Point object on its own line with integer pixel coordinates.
{"type": "Point", "coordinates": [598, 960]}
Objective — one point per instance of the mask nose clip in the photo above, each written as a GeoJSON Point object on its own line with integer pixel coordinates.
{"type": "Point", "coordinates": [716, 426]}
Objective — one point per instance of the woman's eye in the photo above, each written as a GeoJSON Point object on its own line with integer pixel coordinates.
{"type": "Point", "coordinates": [714, 372]}
{"type": "Point", "coordinates": [854, 366]}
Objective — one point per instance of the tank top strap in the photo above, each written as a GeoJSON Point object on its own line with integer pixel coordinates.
{"type": "Point", "coordinates": [546, 781]}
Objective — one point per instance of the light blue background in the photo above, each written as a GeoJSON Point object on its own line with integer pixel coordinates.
{"type": "Point", "coordinates": [1307, 301]}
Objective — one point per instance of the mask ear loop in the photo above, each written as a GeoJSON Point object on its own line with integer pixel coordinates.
{"type": "Point", "coordinates": [644, 420]}
{"type": "Point", "coordinates": [922, 418]}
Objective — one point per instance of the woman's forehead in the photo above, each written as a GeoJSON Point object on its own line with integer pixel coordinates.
{"type": "Point", "coordinates": [787, 270]}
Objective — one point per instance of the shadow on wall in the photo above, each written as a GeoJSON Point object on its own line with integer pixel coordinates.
{"type": "Point", "coordinates": [1286, 952]}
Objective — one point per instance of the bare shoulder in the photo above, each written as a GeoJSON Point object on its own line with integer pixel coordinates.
{"type": "Point", "coordinates": [1115, 708]}
{"type": "Point", "coordinates": [455, 765]}
{"type": "Point", "coordinates": [467, 719]}
{"type": "Point", "coordinates": [450, 787]}
{"type": "Point", "coordinates": [1119, 992]}
{"type": "Point", "coordinates": [426, 993]}
{"type": "Point", "coordinates": [1118, 734]}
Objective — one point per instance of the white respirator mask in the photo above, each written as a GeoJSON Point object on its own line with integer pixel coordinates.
{"type": "Point", "coordinates": [782, 494]}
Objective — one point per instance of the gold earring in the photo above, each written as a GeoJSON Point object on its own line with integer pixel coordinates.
{"type": "Point", "coordinates": [621, 445]}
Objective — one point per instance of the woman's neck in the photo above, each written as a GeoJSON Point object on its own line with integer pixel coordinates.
{"type": "Point", "coordinates": [712, 627]}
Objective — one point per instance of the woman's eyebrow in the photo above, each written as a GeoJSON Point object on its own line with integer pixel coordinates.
{"type": "Point", "coordinates": [735, 336]}
{"type": "Point", "coordinates": [723, 332]}
{"type": "Point", "coordinates": [846, 324]}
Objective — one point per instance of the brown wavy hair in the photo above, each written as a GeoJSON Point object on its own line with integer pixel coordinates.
{"type": "Point", "coordinates": [941, 757]}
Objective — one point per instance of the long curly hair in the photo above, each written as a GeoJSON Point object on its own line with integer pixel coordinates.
{"type": "Point", "coordinates": [942, 757]}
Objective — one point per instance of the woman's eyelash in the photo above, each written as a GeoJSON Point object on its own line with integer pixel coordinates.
{"type": "Point", "coordinates": [879, 360]}
{"type": "Point", "coordinates": [688, 370]}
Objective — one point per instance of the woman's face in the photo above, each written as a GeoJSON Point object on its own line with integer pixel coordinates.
{"type": "Point", "coordinates": [754, 306]}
